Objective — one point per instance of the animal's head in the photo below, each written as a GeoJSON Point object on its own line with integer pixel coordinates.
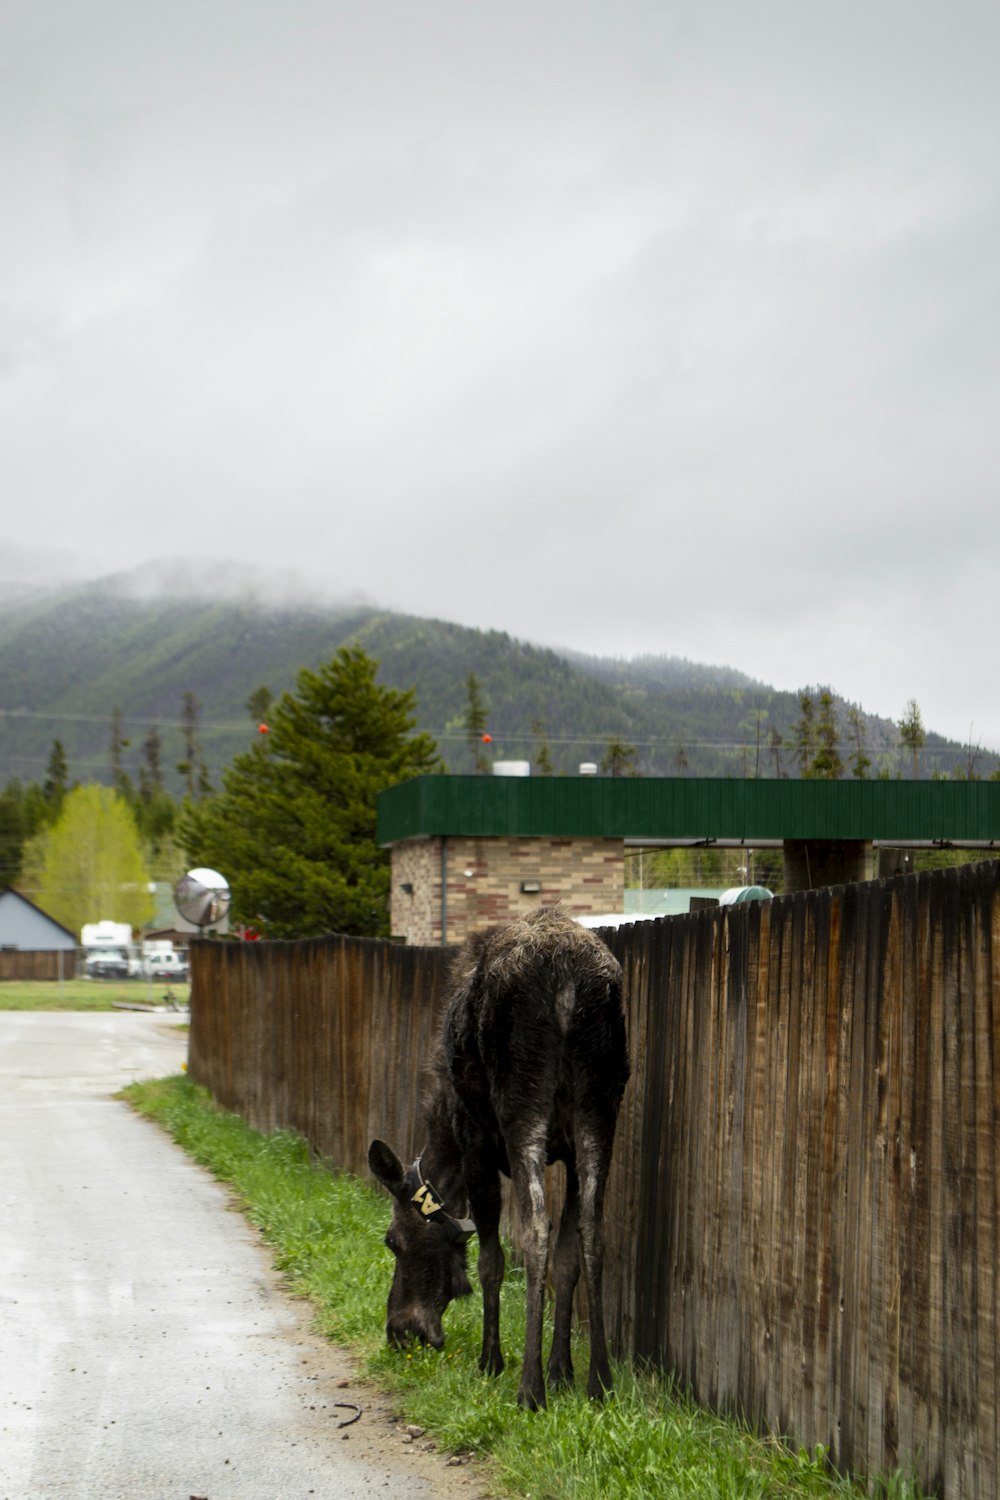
{"type": "Point", "coordinates": [429, 1249]}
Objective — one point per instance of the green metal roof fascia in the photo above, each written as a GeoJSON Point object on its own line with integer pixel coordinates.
{"type": "Point", "coordinates": [696, 808]}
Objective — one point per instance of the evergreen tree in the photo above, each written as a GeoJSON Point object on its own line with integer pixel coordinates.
{"type": "Point", "coordinates": [543, 756]}
{"type": "Point", "coordinates": [912, 733]}
{"type": "Point", "coordinates": [26, 809]}
{"type": "Point", "coordinates": [119, 776]}
{"type": "Point", "coordinates": [259, 704]}
{"type": "Point", "coordinates": [827, 763]}
{"type": "Point", "coordinates": [13, 832]}
{"type": "Point", "coordinates": [474, 723]}
{"type": "Point", "coordinates": [293, 829]}
{"type": "Point", "coordinates": [151, 770]}
{"type": "Point", "coordinates": [618, 759]}
{"type": "Point", "coordinates": [89, 866]}
{"type": "Point", "coordinates": [56, 777]}
{"type": "Point", "coordinates": [804, 740]}
{"type": "Point", "coordinates": [155, 810]}
{"type": "Point", "coordinates": [860, 760]}
{"type": "Point", "coordinates": [192, 767]}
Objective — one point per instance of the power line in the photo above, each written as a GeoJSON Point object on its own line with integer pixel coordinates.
{"type": "Point", "coordinates": [670, 742]}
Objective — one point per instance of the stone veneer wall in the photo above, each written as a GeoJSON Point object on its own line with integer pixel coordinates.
{"type": "Point", "coordinates": [584, 875]}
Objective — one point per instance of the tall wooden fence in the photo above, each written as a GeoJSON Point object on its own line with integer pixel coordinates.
{"type": "Point", "coordinates": [805, 1199]}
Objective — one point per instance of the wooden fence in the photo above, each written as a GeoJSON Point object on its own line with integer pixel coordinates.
{"type": "Point", "coordinates": [805, 1198]}
{"type": "Point", "coordinates": [47, 964]}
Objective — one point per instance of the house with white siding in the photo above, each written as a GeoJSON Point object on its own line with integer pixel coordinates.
{"type": "Point", "coordinates": [25, 927]}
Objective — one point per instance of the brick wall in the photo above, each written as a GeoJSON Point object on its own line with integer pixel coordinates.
{"type": "Point", "coordinates": [483, 882]}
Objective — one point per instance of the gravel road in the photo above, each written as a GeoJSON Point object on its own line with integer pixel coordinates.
{"type": "Point", "coordinates": [147, 1351]}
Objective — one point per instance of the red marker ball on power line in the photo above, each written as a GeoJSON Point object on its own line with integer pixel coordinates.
{"type": "Point", "coordinates": [487, 739]}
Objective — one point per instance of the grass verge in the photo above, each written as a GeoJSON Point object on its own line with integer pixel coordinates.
{"type": "Point", "coordinates": [86, 994]}
{"type": "Point", "coordinates": [649, 1442]}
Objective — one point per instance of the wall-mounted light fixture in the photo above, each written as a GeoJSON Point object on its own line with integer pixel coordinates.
{"type": "Point", "coordinates": [407, 887]}
{"type": "Point", "coordinates": [531, 887]}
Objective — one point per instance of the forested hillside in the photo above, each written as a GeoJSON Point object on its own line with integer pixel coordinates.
{"type": "Point", "coordinates": [69, 660]}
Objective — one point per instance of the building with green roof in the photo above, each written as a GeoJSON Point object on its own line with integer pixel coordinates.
{"type": "Point", "coordinates": [468, 851]}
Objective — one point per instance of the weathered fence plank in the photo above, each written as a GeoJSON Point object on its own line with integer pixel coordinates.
{"type": "Point", "coordinates": [804, 1204]}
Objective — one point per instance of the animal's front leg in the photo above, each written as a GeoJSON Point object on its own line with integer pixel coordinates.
{"type": "Point", "coordinates": [491, 1268]}
{"type": "Point", "coordinates": [485, 1196]}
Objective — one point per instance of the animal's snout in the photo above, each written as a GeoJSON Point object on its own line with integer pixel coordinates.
{"type": "Point", "coordinates": [401, 1331]}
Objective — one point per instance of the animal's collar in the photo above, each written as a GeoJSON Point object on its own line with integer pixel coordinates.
{"type": "Point", "coordinates": [428, 1200]}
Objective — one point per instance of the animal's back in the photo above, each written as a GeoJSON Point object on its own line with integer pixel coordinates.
{"type": "Point", "coordinates": [535, 1026]}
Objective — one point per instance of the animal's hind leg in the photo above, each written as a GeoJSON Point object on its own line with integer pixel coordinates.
{"type": "Point", "coordinates": [593, 1161]}
{"type": "Point", "coordinates": [567, 1274]}
{"type": "Point", "coordinates": [528, 1170]}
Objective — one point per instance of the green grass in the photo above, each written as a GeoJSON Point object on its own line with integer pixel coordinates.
{"type": "Point", "coordinates": [85, 994]}
{"type": "Point", "coordinates": [648, 1442]}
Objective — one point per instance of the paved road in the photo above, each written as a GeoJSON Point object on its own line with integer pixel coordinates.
{"type": "Point", "coordinates": [146, 1350]}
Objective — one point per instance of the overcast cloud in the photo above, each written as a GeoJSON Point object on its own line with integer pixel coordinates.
{"type": "Point", "coordinates": [645, 327]}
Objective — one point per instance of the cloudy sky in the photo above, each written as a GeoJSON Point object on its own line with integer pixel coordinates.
{"type": "Point", "coordinates": [639, 327]}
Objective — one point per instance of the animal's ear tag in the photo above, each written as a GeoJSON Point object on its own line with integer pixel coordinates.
{"type": "Point", "coordinates": [425, 1201]}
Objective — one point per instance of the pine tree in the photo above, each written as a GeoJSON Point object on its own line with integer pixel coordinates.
{"type": "Point", "coordinates": [258, 704]}
{"type": "Point", "coordinates": [119, 776]}
{"type": "Point", "coordinates": [155, 809]}
{"type": "Point", "coordinates": [912, 733]}
{"type": "Point", "coordinates": [192, 767]}
{"type": "Point", "coordinates": [25, 812]}
{"type": "Point", "coordinates": [151, 769]}
{"type": "Point", "coordinates": [618, 759]}
{"type": "Point", "coordinates": [543, 755]}
{"type": "Point", "coordinates": [56, 777]}
{"type": "Point", "coordinates": [804, 741]}
{"type": "Point", "coordinates": [827, 763]}
{"type": "Point", "coordinates": [474, 722]}
{"type": "Point", "coordinates": [293, 830]}
{"type": "Point", "coordinates": [860, 760]}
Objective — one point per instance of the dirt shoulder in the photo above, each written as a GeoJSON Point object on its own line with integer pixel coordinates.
{"type": "Point", "coordinates": [378, 1435]}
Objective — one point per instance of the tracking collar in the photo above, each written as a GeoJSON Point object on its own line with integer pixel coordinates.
{"type": "Point", "coordinates": [424, 1195]}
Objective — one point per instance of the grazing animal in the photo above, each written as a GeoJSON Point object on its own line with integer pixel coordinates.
{"type": "Point", "coordinates": [532, 1067]}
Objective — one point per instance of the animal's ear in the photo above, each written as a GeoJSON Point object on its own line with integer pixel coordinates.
{"type": "Point", "coordinates": [386, 1166]}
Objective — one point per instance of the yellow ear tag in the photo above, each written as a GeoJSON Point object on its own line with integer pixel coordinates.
{"type": "Point", "coordinates": [424, 1199]}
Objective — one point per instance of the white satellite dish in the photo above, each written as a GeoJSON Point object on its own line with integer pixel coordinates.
{"type": "Point", "coordinates": [202, 897]}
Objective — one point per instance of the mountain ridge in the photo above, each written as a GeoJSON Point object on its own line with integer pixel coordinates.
{"type": "Point", "coordinates": [71, 655]}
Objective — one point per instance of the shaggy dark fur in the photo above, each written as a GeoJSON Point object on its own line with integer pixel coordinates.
{"type": "Point", "coordinates": [532, 1069]}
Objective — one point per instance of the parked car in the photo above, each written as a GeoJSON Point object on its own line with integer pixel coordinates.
{"type": "Point", "coordinates": [160, 961]}
{"type": "Point", "coordinates": [106, 963]}
{"type": "Point", "coordinates": [167, 966]}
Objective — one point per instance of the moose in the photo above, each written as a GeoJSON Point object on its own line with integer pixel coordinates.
{"type": "Point", "coordinates": [530, 1069]}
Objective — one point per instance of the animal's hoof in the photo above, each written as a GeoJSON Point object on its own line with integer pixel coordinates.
{"type": "Point", "coordinates": [561, 1377]}
{"type": "Point", "coordinates": [531, 1400]}
{"type": "Point", "coordinates": [492, 1364]}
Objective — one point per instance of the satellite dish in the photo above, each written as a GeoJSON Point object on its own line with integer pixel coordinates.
{"type": "Point", "coordinates": [202, 897]}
